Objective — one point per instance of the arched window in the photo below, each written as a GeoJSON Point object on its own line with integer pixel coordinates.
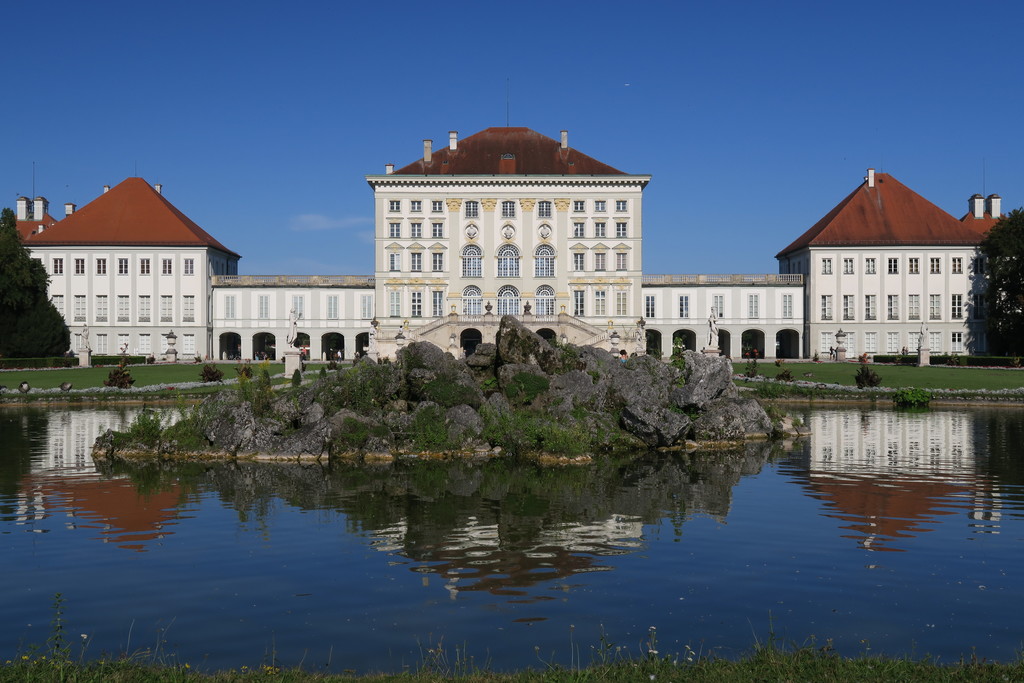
{"type": "Point", "coordinates": [472, 302]}
{"type": "Point", "coordinates": [508, 261]}
{"type": "Point", "coordinates": [545, 301]}
{"type": "Point", "coordinates": [544, 261]}
{"type": "Point", "coordinates": [472, 261]}
{"type": "Point", "coordinates": [508, 300]}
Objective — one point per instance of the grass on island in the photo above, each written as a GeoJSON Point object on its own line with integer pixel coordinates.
{"type": "Point", "coordinates": [930, 377]}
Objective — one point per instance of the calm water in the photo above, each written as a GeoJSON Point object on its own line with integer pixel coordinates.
{"type": "Point", "coordinates": [886, 532]}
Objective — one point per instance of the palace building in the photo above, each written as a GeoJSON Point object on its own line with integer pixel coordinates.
{"type": "Point", "coordinates": [511, 222]}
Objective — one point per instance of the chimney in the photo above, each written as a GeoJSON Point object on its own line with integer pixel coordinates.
{"type": "Point", "coordinates": [23, 208]}
{"type": "Point", "coordinates": [69, 208]}
{"type": "Point", "coordinates": [428, 146]}
{"type": "Point", "coordinates": [389, 169]}
{"type": "Point", "coordinates": [453, 140]}
{"type": "Point", "coordinates": [977, 206]}
{"type": "Point", "coordinates": [159, 188]}
{"type": "Point", "coordinates": [870, 178]}
{"type": "Point", "coordinates": [565, 139]}
{"type": "Point", "coordinates": [106, 189]}
{"type": "Point", "coordinates": [994, 205]}
{"type": "Point", "coordinates": [41, 207]}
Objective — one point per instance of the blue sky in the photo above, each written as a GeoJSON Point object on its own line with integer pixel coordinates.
{"type": "Point", "coordinates": [261, 119]}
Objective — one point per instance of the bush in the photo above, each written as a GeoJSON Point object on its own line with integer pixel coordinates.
{"type": "Point", "coordinates": [119, 377]}
{"type": "Point", "coordinates": [145, 429]}
{"type": "Point", "coordinates": [118, 360]}
{"type": "Point", "coordinates": [211, 373]}
{"type": "Point", "coordinates": [751, 368]}
{"type": "Point", "coordinates": [244, 370]}
{"type": "Point", "coordinates": [912, 398]}
{"type": "Point", "coordinates": [784, 376]}
{"type": "Point", "coordinates": [55, 362]}
{"type": "Point", "coordinates": [524, 387]}
{"type": "Point", "coordinates": [296, 378]}
{"type": "Point", "coordinates": [866, 377]}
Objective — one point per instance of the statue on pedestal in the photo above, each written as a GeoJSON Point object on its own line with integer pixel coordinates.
{"type": "Point", "coordinates": [293, 327]}
{"type": "Point", "coordinates": [713, 329]}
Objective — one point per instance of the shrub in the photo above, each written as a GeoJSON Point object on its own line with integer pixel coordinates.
{"type": "Point", "coordinates": [244, 370]}
{"type": "Point", "coordinates": [145, 429]}
{"type": "Point", "coordinates": [750, 370]}
{"type": "Point", "coordinates": [332, 365]}
{"type": "Point", "coordinates": [119, 377]}
{"type": "Point", "coordinates": [866, 377]}
{"type": "Point", "coordinates": [447, 393]}
{"type": "Point", "coordinates": [296, 378]}
{"type": "Point", "coordinates": [524, 387]}
{"type": "Point", "coordinates": [211, 373]}
{"type": "Point", "coordinates": [784, 376]}
{"type": "Point", "coordinates": [912, 398]}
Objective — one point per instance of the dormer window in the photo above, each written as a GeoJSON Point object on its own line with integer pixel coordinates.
{"type": "Point", "coordinates": [507, 155]}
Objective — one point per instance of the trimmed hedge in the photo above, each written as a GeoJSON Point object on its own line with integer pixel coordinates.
{"type": "Point", "coordinates": [952, 359]}
{"type": "Point", "coordinates": [56, 362]}
{"type": "Point", "coordinates": [116, 360]}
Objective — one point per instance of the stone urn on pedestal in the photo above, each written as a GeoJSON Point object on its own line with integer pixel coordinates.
{"type": "Point", "coordinates": [171, 354]}
{"type": "Point", "coordinates": [840, 345]}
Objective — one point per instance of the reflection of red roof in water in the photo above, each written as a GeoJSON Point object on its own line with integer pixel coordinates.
{"type": "Point", "coordinates": [114, 506]}
{"type": "Point", "coordinates": [880, 508]}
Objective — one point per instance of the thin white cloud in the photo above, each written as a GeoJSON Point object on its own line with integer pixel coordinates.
{"type": "Point", "coordinates": [310, 222]}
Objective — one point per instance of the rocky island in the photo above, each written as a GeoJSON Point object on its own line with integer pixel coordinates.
{"type": "Point", "coordinates": [520, 395]}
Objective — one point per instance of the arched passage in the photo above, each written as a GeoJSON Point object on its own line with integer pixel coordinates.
{"type": "Point", "coordinates": [753, 344]}
{"type": "Point", "coordinates": [547, 333]}
{"type": "Point", "coordinates": [725, 343]}
{"type": "Point", "coordinates": [653, 343]}
{"type": "Point", "coordinates": [686, 338]}
{"type": "Point", "coordinates": [362, 343]}
{"type": "Point", "coordinates": [333, 345]}
{"type": "Point", "coordinates": [787, 344]}
{"type": "Point", "coordinates": [230, 346]}
{"type": "Point", "coordinates": [264, 346]}
{"type": "Point", "coordinates": [470, 339]}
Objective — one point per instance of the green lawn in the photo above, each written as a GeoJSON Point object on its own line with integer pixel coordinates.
{"type": "Point", "coordinates": [931, 377]}
{"type": "Point", "coordinates": [145, 375]}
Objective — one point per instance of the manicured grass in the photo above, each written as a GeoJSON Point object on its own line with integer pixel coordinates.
{"type": "Point", "coordinates": [145, 375]}
{"type": "Point", "coordinates": [931, 377]}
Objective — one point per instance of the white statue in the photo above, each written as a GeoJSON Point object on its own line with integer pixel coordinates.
{"type": "Point", "coordinates": [85, 338]}
{"type": "Point", "coordinates": [293, 326]}
{"type": "Point", "coordinates": [713, 329]}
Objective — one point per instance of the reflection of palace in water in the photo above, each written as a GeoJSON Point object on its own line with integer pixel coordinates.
{"type": "Point", "coordinates": [887, 475]}
{"type": "Point", "coordinates": [62, 484]}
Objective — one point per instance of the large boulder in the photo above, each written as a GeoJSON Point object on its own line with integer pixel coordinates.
{"type": "Point", "coordinates": [707, 378]}
{"type": "Point", "coordinates": [517, 344]}
{"type": "Point", "coordinates": [732, 419]}
{"type": "Point", "coordinates": [434, 375]}
{"type": "Point", "coordinates": [464, 424]}
{"type": "Point", "coordinates": [655, 426]}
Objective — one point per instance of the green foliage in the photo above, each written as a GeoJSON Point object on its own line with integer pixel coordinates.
{"type": "Point", "coordinates": [750, 369]}
{"type": "Point", "coordinates": [866, 377]}
{"type": "Point", "coordinates": [784, 376]}
{"type": "Point", "coordinates": [1003, 248]}
{"type": "Point", "coordinates": [297, 378]}
{"type": "Point", "coordinates": [524, 387]}
{"type": "Point", "coordinates": [520, 432]}
{"type": "Point", "coordinates": [429, 432]}
{"type": "Point", "coordinates": [56, 362]}
{"type": "Point", "coordinates": [244, 370]}
{"type": "Point", "coordinates": [447, 393]}
{"type": "Point", "coordinates": [489, 385]}
{"type": "Point", "coordinates": [144, 430]}
{"type": "Point", "coordinates": [258, 392]}
{"type": "Point", "coordinates": [211, 373]}
{"type": "Point", "coordinates": [912, 398]}
{"type": "Point", "coordinates": [120, 377]}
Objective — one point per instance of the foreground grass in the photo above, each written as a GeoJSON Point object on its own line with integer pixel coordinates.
{"type": "Point", "coordinates": [931, 377]}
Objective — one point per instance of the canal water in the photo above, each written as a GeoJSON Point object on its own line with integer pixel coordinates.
{"type": "Point", "coordinates": [883, 533]}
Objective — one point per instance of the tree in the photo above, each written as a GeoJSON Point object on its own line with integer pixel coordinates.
{"type": "Point", "coordinates": [1003, 248]}
{"type": "Point", "coordinates": [30, 326]}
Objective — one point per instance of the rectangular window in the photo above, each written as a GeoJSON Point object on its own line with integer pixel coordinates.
{"type": "Point", "coordinates": [847, 266]}
{"type": "Point", "coordinates": [979, 265]}
{"type": "Point", "coordinates": [600, 206]}
{"type": "Point", "coordinates": [416, 206]}
{"type": "Point", "coordinates": [621, 303]}
{"type": "Point", "coordinates": [620, 205]}
{"type": "Point", "coordinates": [599, 229]}
{"type": "Point", "coordinates": [753, 306]}
{"type": "Point", "coordinates": [979, 307]}
{"type": "Point", "coordinates": [395, 304]}
{"type": "Point", "coordinates": [188, 345]}
{"type": "Point", "coordinates": [165, 268]}
{"type": "Point", "coordinates": [577, 262]}
{"type": "Point", "coordinates": [472, 209]}
{"type": "Point", "coordinates": [914, 266]}
{"type": "Point", "coordinates": [143, 266]}
{"type": "Point", "coordinates": [957, 265]}
{"type": "Point", "coordinates": [620, 261]}
{"type": "Point", "coordinates": [892, 342]}
{"type": "Point", "coordinates": [58, 266]}
{"type": "Point", "coordinates": [188, 309]}
{"type": "Point", "coordinates": [79, 308]}
{"type": "Point", "coordinates": [437, 261]}
{"type": "Point", "coordinates": [263, 307]}
{"type": "Point", "coordinates": [956, 342]}
{"type": "Point", "coordinates": [826, 266]}
{"type": "Point", "coordinates": [394, 262]}
{"type": "Point", "coordinates": [79, 266]}
{"type": "Point", "coordinates": [122, 343]}
{"type": "Point", "coordinates": [847, 307]}
{"type": "Point", "coordinates": [544, 209]}
{"type": "Point", "coordinates": [684, 306]}
{"type": "Point", "coordinates": [826, 306]}
{"type": "Point", "coordinates": [869, 266]}
{"type": "Point", "coordinates": [914, 307]}
{"type": "Point", "coordinates": [436, 206]}
{"type": "Point", "coordinates": [229, 307]}
{"type": "Point", "coordinates": [894, 266]}
{"type": "Point", "coordinates": [620, 230]}
{"type": "Point", "coordinates": [366, 306]}
{"type": "Point", "coordinates": [508, 209]}
{"type": "Point", "coordinates": [871, 342]}
{"type": "Point", "coordinates": [649, 306]}
{"type": "Point", "coordinates": [577, 230]}
{"type": "Point", "coordinates": [599, 261]}
{"type": "Point", "coordinates": [787, 306]}
{"type": "Point", "coordinates": [826, 342]}
{"type": "Point", "coordinates": [600, 303]}
{"type": "Point", "coordinates": [394, 205]}
{"type": "Point", "coordinates": [145, 307]}
{"type": "Point", "coordinates": [189, 267]}
{"type": "Point", "coordinates": [299, 305]}
{"type": "Point", "coordinates": [870, 307]}
{"type": "Point", "coordinates": [145, 344]}
{"type": "Point", "coordinates": [101, 308]}
{"type": "Point", "coordinates": [893, 306]}
{"type": "Point", "coordinates": [956, 306]}
{"type": "Point", "coordinates": [101, 266]}
{"type": "Point", "coordinates": [579, 206]}
{"type": "Point", "coordinates": [122, 266]}
{"type": "Point", "coordinates": [416, 261]}
{"type": "Point", "coordinates": [416, 230]}
{"type": "Point", "coordinates": [718, 303]}
{"type": "Point", "coordinates": [437, 230]}
{"type": "Point", "coordinates": [417, 304]}
{"type": "Point", "coordinates": [437, 298]}
{"type": "Point", "coordinates": [934, 306]}
{"type": "Point", "coordinates": [934, 265]}
{"type": "Point", "coordinates": [123, 308]}
{"type": "Point", "coordinates": [101, 344]}
{"type": "Point", "coordinates": [394, 230]}
{"type": "Point", "coordinates": [935, 341]}
{"type": "Point", "coordinates": [166, 309]}
{"type": "Point", "coordinates": [58, 303]}
{"type": "Point", "coordinates": [577, 302]}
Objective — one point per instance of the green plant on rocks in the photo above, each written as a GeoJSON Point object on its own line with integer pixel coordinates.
{"type": "Point", "coordinates": [524, 387]}
{"type": "Point", "coordinates": [866, 377]}
{"type": "Point", "coordinates": [911, 398]}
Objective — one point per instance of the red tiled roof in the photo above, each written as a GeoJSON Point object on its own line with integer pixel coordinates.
{"type": "Point", "coordinates": [888, 214]}
{"type": "Point", "coordinates": [979, 225]}
{"type": "Point", "coordinates": [487, 153]}
{"type": "Point", "coordinates": [28, 228]}
{"type": "Point", "coordinates": [131, 214]}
